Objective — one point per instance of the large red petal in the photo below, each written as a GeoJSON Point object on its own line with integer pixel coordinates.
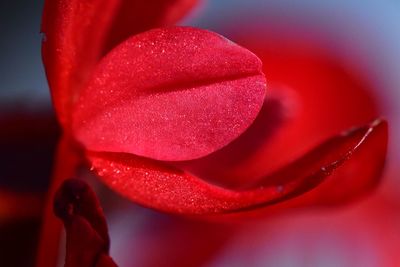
{"type": "Point", "coordinates": [166, 188]}
{"type": "Point", "coordinates": [78, 33]}
{"type": "Point", "coordinates": [170, 94]}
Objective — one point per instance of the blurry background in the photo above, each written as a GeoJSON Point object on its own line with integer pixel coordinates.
{"type": "Point", "coordinates": [364, 34]}
{"type": "Point", "coordinates": [27, 131]}
{"type": "Point", "coordinates": [21, 72]}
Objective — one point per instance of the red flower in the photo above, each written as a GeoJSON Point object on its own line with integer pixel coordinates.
{"type": "Point", "coordinates": [164, 104]}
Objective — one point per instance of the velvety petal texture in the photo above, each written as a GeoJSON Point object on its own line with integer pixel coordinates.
{"type": "Point", "coordinates": [77, 33]}
{"type": "Point", "coordinates": [157, 185]}
{"type": "Point", "coordinates": [174, 93]}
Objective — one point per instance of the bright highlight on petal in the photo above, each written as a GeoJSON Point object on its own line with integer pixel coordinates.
{"type": "Point", "coordinates": [175, 93]}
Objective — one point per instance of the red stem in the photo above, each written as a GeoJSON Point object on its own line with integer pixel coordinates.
{"type": "Point", "coordinates": [68, 158]}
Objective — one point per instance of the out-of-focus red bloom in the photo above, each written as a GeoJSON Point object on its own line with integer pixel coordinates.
{"type": "Point", "coordinates": [154, 115]}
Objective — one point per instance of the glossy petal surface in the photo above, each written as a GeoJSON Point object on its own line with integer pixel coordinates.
{"type": "Point", "coordinates": [170, 94]}
{"type": "Point", "coordinates": [153, 184]}
{"type": "Point", "coordinates": [78, 33]}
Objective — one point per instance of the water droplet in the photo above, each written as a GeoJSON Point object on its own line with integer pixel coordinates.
{"type": "Point", "coordinates": [326, 170]}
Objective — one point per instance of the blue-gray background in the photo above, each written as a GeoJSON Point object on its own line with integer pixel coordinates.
{"type": "Point", "coordinates": [21, 73]}
{"type": "Point", "coordinates": [22, 79]}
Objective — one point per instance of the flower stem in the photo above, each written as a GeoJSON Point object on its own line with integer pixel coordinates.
{"type": "Point", "coordinates": [68, 158]}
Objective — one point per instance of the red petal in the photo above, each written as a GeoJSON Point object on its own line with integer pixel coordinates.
{"type": "Point", "coordinates": [168, 189]}
{"type": "Point", "coordinates": [311, 97]}
{"type": "Point", "coordinates": [358, 176]}
{"type": "Point", "coordinates": [365, 234]}
{"type": "Point", "coordinates": [135, 16]}
{"type": "Point", "coordinates": [105, 261]}
{"type": "Point", "coordinates": [330, 95]}
{"type": "Point", "coordinates": [170, 94]}
{"type": "Point", "coordinates": [78, 33]}
{"type": "Point", "coordinates": [87, 234]}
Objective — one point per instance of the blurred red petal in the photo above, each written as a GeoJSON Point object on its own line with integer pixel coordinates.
{"type": "Point", "coordinates": [329, 96]}
{"type": "Point", "coordinates": [149, 241]}
{"type": "Point", "coordinates": [16, 206]}
{"type": "Point", "coordinates": [87, 235]}
{"type": "Point", "coordinates": [170, 94]}
{"type": "Point", "coordinates": [364, 234]}
{"type": "Point", "coordinates": [105, 261]}
{"type": "Point", "coordinates": [166, 188]}
{"type": "Point", "coordinates": [78, 33]}
{"type": "Point", "coordinates": [135, 16]}
{"type": "Point", "coordinates": [356, 177]}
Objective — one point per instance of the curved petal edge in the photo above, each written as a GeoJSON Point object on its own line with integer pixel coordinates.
{"type": "Point", "coordinates": [154, 184]}
{"type": "Point", "coordinates": [174, 93]}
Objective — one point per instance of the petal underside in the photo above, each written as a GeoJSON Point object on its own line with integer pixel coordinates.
{"type": "Point", "coordinates": [342, 167]}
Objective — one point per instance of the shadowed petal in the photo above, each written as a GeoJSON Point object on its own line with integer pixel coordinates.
{"type": "Point", "coordinates": [87, 235]}
{"type": "Point", "coordinates": [68, 159]}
